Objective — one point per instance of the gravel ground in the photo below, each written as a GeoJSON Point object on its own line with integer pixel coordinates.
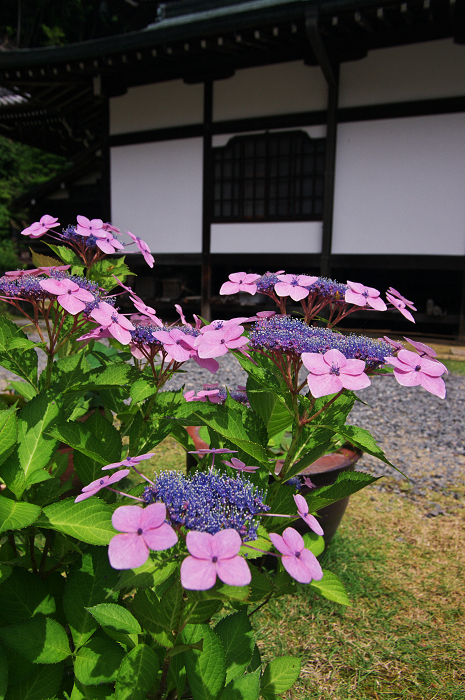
{"type": "Point", "coordinates": [420, 434]}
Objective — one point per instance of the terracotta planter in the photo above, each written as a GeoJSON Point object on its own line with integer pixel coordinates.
{"type": "Point", "coordinates": [200, 444]}
{"type": "Point", "coordinates": [324, 472]}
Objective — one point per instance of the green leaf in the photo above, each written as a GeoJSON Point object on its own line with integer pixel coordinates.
{"type": "Point", "coordinates": [91, 692]}
{"type": "Point", "coordinates": [236, 634]}
{"type": "Point", "coordinates": [260, 586]}
{"type": "Point", "coordinates": [206, 670]}
{"type": "Point", "coordinates": [171, 607]}
{"type": "Point", "coordinates": [66, 255]}
{"type": "Point", "coordinates": [23, 596]}
{"type": "Point", "coordinates": [270, 407]}
{"type": "Point", "coordinates": [149, 575]}
{"type": "Point", "coordinates": [41, 684]}
{"type": "Point", "coordinates": [243, 688]}
{"type": "Point", "coordinates": [332, 588]}
{"type": "Point", "coordinates": [202, 611]}
{"type": "Point", "coordinates": [98, 661]}
{"type": "Point", "coordinates": [40, 640]}
{"type": "Point", "coordinates": [315, 448]}
{"type": "Point", "coordinates": [346, 484]}
{"type": "Point", "coordinates": [363, 439]}
{"type": "Point", "coordinates": [137, 674]}
{"type": "Point", "coordinates": [116, 374]}
{"type": "Point", "coordinates": [37, 417]}
{"type": "Point", "coordinates": [24, 389]}
{"type": "Point", "coordinates": [103, 270]}
{"type": "Point", "coordinates": [177, 675]}
{"type": "Point", "coordinates": [43, 260]}
{"type": "Point", "coordinates": [315, 543]}
{"type": "Point", "coordinates": [88, 521]}
{"type": "Point", "coordinates": [8, 432]}
{"type": "Point", "coordinates": [23, 363]}
{"type": "Point", "coordinates": [80, 437]}
{"type": "Point", "coordinates": [86, 587]}
{"type": "Point", "coordinates": [3, 674]}
{"type": "Point", "coordinates": [5, 573]}
{"type": "Point", "coordinates": [115, 617]}
{"type": "Point", "coordinates": [279, 675]}
{"type": "Point", "coordinates": [69, 371]}
{"type": "Point", "coordinates": [15, 516]}
{"type": "Point", "coordinates": [146, 608]}
{"type": "Point", "coordinates": [142, 389]}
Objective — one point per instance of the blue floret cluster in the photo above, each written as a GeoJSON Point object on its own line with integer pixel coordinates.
{"type": "Point", "coordinates": [209, 502]}
{"type": "Point", "coordinates": [289, 335]}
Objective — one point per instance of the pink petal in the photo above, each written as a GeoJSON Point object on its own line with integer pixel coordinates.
{"type": "Point", "coordinates": [411, 378]}
{"type": "Point", "coordinates": [238, 277]}
{"type": "Point", "coordinates": [105, 246]}
{"type": "Point", "coordinates": [127, 518]}
{"type": "Point", "coordinates": [357, 287]}
{"type": "Point", "coordinates": [297, 568]}
{"type": "Point", "coordinates": [315, 363]}
{"type": "Point", "coordinates": [279, 544]}
{"type": "Point", "coordinates": [121, 335]}
{"type": "Point", "coordinates": [127, 551]}
{"type": "Point", "coordinates": [377, 303]}
{"type": "Point", "coordinates": [313, 524]}
{"type": "Point", "coordinates": [207, 363]}
{"type": "Point", "coordinates": [352, 297]}
{"type": "Point", "coordinates": [298, 293]}
{"type": "Point", "coordinates": [153, 516]}
{"type": "Point", "coordinates": [312, 564]}
{"type": "Point", "coordinates": [293, 539]}
{"type": "Point", "coordinates": [435, 385]}
{"type": "Point", "coordinates": [234, 572]}
{"type": "Point", "coordinates": [283, 289]}
{"type": "Point", "coordinates": [306, 280]}
{"type": "Point", "coordinates": [354, 367]}
{"type": "Point", "coordinates": [432, 367]}
{"type": "Point", "coordinates": [199, 544]}
{"type": "Point", "coordinates": [409, 358]}
{"type": "Point", "coordinates": [84, 295]}
{"type": "Point", "coordinates": [162, 537]}
{"type": "Point", "coordinates": [226, 544]}
{"type": "Point", "coordinates": [335, 357]}
{"type": "Point", "coordinates": [197, 574]}
{"type": "Point", "coordinates": [324, 384]}
{"type": "Point", "coordinates": [71, 303]}
{"type": "Point", "coordinates": [359, 381]}
{"type": "Point", "coordinates": [250, 278]}
{"type": "Point", "coordinates": [249, 288]}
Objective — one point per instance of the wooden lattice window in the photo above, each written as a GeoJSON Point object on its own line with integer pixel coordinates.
{"type": "Point", "coordinates": [269, 177]}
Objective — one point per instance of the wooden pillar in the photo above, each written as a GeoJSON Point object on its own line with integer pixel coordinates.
{"type": "Point", "coordinates": [207, 199]}
{"type": "Point", "coordinates": [462, 310]}
{"type": "Point", "coordinates": [106, 173]}
{"type": "Point", "coordinates": [331, 73]}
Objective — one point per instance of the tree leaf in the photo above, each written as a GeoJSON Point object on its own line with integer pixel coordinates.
{"type": "Point", "coordinates": [15, 516]}
{"type": "Point", "coordinates": [236, 634]}
{"type": "Point", "coordinates": [363, 439]}
{"type": "Point", "coordinates": [24, 389]}
{"type": "Point", "coordinates": [23, 363]}
{"type": "Point", "coordinates": [88, 586]}
{"type": "Point", "coordinates": [37, 417]}
{"type": "Point", "coordinates": [115, 617]}
{"type": "Point", "coordinates": [206, 669]}
{"type": "Point", "coordinates": [88, 521]}
{"type": "Point", "coordinates": [24, 595]}
{"type": "Point", "coordinates": [332, 588]}
{"type": "Point", "coordinates": [137, 674]}
{"type": "Point", "coordinates": [243, 688]}
{"type": "Point", "coordinates": [279, 675]}
{"type": "Point", "coordinates": [44, 260]}
{"type": "Point", "coordinates": [346, 484]}
{"type": "Point", "coordinates": [3, 674]}
{"type": "Point", "coordinates": [149, 575]}
{"type": "Point", "coordinates": [42, 683]}
{"type": "Point", "coordinates": [40, 640]}
{"type": "Point", "coordinates": [270, 407]}
{"type": "Point", "coordinates": [98, 661]}
{"type": "Point", "coordinates": [8, 432]}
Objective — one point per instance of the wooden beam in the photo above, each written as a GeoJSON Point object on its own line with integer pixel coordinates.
{"type": "Point", "coordinates": [207, 198]}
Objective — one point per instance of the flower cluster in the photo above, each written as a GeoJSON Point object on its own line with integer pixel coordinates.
{"type": "Point", "coordinates": [217, 394]}
{"type": "Point", "coordinates": [209, 502]}
{"type": "Point", "coordinates": [287, 335]}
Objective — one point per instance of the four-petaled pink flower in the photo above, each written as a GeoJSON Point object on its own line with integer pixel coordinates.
{"type": "Point", "coordinates": [217, 343]}
{"type": "Point", "coordinates": [294, 286]}
{"type": "Point", "coordinates": [400, 306]}
{"type": "Point", "coordinates": [393, 292]}
{"type": "Point", "coordinates": [144, 529]}
{"type": "Point", "coordinates": [302, 509]}
{"type": "Point", "coordinates": [412, 370]}
{"type": "Point", "coordinates": [70, 296]}
{"type": "Point", "coordinates": [239, 466]}
{"type": "Point", "coordinates": [177, 344]}
{"type": "Point", "coordinates": [129, 461]}
{"type": "Point", "coordinates": [240, 282]}
{"type": "Point", "coordinates": [331, 372]}
{"type": "Point", "coordinates": [90, 227]}
{"type": "Point", "coordinates": [360, 295]}
{"type": "Point", "coordinates": [117, 324]}
{"type": "Point", "coordinates": [104, 481]}
{"type": "Point", "coordinates": [212, 556]}
{"type": "Point", "coordinates": [143, 247]}
{"type": "Point", "coordinates": [109, 244]}
{"type": "Point", "coordinates": [425, 351]}
{"type": "Point", "coordinates": [299, 562]}
{"type": "Point", "coordinates": [39, 228]}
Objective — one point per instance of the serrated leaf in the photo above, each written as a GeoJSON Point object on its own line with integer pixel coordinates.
{"type": "Point", "coordinates": [279, 675]}
{"type": "Point", "coordinates": [115, 617]}
{"type": "Point", "coordinates": [91, 692]}
{"type": "Point", "coordinates": [15, 516]}
{"type": "Point", "coordinates": [24, 389]}
{"type": "Point", "coordinates": [332, 588]}
{"type": "Point", "coordinates": [243, 688]}
{"type": "Point", "coordinates": [137, 674]}
{"type": "Point", "coordinates": [88, 586]}
{"type": "Point", "coordinates": [24, 595]}
{"type": "Point", "coordinates": [236, 634]}
{"type": "Point", "coordinates": [23, 363]}
{"type": "Point", "coordinates": [315, 543]}
{"type": "Point", "coordinates": [35, 447]}
{"type": "Point", "coordinates": [5, 572]}
{"type": "Point", "coordinates": [105, 271]}
{"type": "Point", "coordinates": [149, 575]}
{"type": "Point", "coordinates": [202, 611]}
{"type": "Point", "coordinates": [346, 484]}
{"type": "Point", "coordinates": [65, 254]}
{"type": "Point", "coordinates": [88, 521]}
{"type": "Point", "coordinates": [363, 439]}
{"type": "Point", "coordinates": [69, 371]}
{"type": "Point", "coordinates": [80, 437]}
{"type": "Point", "coordinates": [44, 260]}
{"type": "Point", "coordinates": [3, 674]}
{"type": "Point", "coordinates": [8, 432]}
{"type": "Point", "coordinates": [41, 684]}
{"type": "Point", "coordinates": [141, 390]}
{"type": "Point", "coordinates": [260, 586]}
{"type": "Point", "coordinates": [146, 609]}
{"type": "Point", "coordinates": [270, 407]}
{"type": "Point", "coordinates": [206, 670]}
{"type": "Point", "coordinates": [98, 661]}
{"type": "Point", "coordinates": [40, 640]}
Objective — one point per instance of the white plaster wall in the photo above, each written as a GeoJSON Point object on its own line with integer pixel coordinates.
{"type": "Point", "coordinates": [315, 132]}
{"type": "Point", "coordinates": [156, 193]}
{"type": "Point", "coordinates": [172, 103]}
{"type": "Point", "coordinates": [415, 72]}
{"type": "Point", "coordinates": [278, 89]}
{"type": "Point", "coordinates": [400, 186]}
{"type": "Point", "coordinates": [276, 237]}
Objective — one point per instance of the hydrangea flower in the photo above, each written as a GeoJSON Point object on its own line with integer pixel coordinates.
{"type": "Point", "coordinates": [143, 247]}
{"type": "Point", "coordinates": [143, 529]}
{"type": "Point", "coordinates": [400, 306]}
{"type": "Point", "coordinates": [69, 295]}
{"type": "Point", "coordinates": [117, 324]}
{"type": "Point", "coordinates": [239, 466]}
{"type": "Point", "coordinates": [39, 228]}
{"type": "Point", "coordinates": [412, 370]}
{"type": "Point", "coordinates": [240, 282]}
{"type": "Point", "coordinates": [302, 509]}
{"type": "Point", "coordinates": [90, 227]}
{"type": "Point", "coordinates": [393, 292]}
{"type": "Point", "coordinates": [217, 343]}
{"type": "Point", "coordinates": [212, 556]}
{"type": "Point", "coordinates": [332, 372]}
{"type": "Point", "coordinates": [95, 486]}
{"type": "Point", "coordinates": [129, 461]}
{"type": "Point", "coordinates": [360, 295]}
{"type": "Point", "coordinates": [299, 562]}
{"type": "Point", "coordinates": [294, 286]}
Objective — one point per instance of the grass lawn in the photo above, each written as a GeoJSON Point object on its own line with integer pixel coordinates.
{"type": "Point", "coordinates": [403, 635]}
